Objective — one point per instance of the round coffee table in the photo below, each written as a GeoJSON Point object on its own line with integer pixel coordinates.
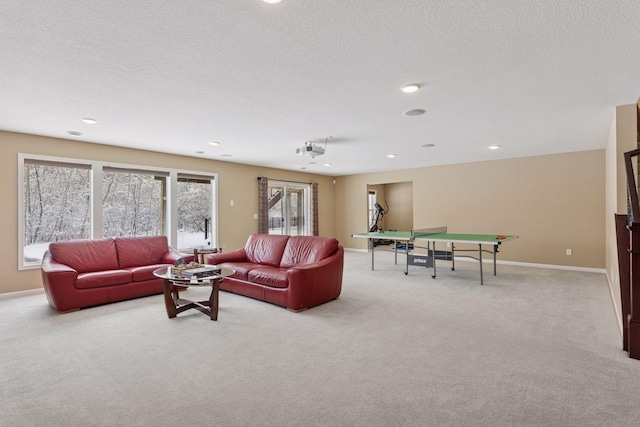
{"type": "Point", "coordinates": [172, 284]}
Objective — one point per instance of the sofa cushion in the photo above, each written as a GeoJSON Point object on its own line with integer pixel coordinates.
{"type": "Point", "coordinates": [145, 272]}
{"type": "Point", "coordinates": [100, 279]}
{"type": "Point", "coordinates": [241, 269]}
{"type": "Point", "coordinates": [138, 251]}
{"type": "Point", "coordinates": [265, 249]}
{"type": "Point", "coordinates": [86, 255]}
{"type": "Point", "coordinates": [269, 276]}
{"type": "Point", "coordinates": [301, 250]}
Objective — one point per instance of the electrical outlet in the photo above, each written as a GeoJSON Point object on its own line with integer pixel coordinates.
{"type": "Point", "coordinates": [569, 252]}
{"type": "Point", "coordinates": [231, 203]}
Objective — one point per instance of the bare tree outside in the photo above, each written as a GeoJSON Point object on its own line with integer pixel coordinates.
{"type": "Point", "coordinates": [56, 203]}
{"type": "Point", "coordinates": [132, 204]}
{"type": "Point", "coordinates": [276, 210]}
{"type": "Point", "coordinates": [194, 199]}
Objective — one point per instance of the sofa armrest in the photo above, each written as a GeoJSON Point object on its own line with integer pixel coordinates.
{"type": "Point", "coordinates": [239, 255]}
{"type": "Point", "coordinates": [50, 267]}
{"type": "Point", "coordinates": [312, 284]}
{"type": "Point", "coordinates": [58, 281]}
{"type": "Point", "coordinates": [173, 255]}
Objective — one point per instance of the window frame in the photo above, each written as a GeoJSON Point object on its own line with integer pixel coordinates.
{"type": "Point", "coordinates": [213, 223]}
{"type": "Point", "coordinates": [96, 176]}
{"type": "Point", "coordinates": [306, 203]}
{"type": "Point", "coordinates": [372, 198]}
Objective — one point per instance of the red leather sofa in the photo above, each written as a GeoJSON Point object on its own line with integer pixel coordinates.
{"type": "Point", "coordinates": [296, 272]}
{"type": "Point", "coordinates": [84, 273]}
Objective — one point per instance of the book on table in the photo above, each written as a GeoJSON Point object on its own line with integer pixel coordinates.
{"type": "Point", "coordinates": [199, 272]}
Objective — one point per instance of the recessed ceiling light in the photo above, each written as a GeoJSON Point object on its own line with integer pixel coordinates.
{"type": "Point", "coordinates": [327, 164]}
{"type": "Point", "coordinates": [427, 145]}
{"type": "Point", "coordinates": [214, 143]}
{"type": "Point", "coordinates": [89, 121]}
{"type": "Point", "coordinates": [74, 132]}
{"type": "Point", "coordinates": [410, 88]}
{"type": "Point", "coordinates": [494, 147]}
{"type": "Point", "coordinates": [416, 112]}
{"type": "Point", "coordinates": [199, 152]}
{"type": "Point", "coordinates": [303, 167]}
{"type": "Point", "coordinates": [271, 1]}
{"type": "Point", "coordinates": [391, 156]}
{"type": "Point", "coordinates": [225, 155]}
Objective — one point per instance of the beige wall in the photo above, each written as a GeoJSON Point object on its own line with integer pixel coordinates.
{"type": "Point", "coordinates": [400, 200]}
{"type": "Point", "coordinates": [622, 138]}
{"type": "Point", "coordinates": [235, 182]}
{"type": "Point", "coordinates": [553, 202]}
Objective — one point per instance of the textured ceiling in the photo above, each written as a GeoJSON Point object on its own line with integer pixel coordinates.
{"type": "Point", "coordinates": [534, 77]}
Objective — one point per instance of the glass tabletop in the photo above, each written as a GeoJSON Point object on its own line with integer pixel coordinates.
{"type": "Point", "coordinates": [167, 274]}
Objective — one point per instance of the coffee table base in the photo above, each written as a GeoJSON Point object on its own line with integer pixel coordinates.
{"type": "Point", "coordinates": [174, 304]}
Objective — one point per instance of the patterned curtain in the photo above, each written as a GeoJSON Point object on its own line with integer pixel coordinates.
{"type": "Point", "coordinates": [263, 205]}
{"type": "Point", "coordinates": [314, 209]}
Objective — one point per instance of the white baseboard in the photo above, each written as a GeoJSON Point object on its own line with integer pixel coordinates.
{"type": "Point", "coordinates": [551, 266]}
{"type": "Point", "coordinates": [355, 250]}
{"type": "Point", "coordinates": [19, 294]}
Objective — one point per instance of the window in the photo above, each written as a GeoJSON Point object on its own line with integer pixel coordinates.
{"type": "Point", "coordinates": [65, 199]}
{"type": "Point", "coordinates": [288, 208]}
{"type": "Point", "coordinates": [195, 211]}
{"type": "Point", "coordinates": [133, 202]}
{"type": "Point", "coordinates": [56, 205]}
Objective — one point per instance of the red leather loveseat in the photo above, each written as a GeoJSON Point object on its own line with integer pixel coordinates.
{"type": "Point", "coordinates": [84, 273]}
{"type": "Point", "coordinates": [296, 272]}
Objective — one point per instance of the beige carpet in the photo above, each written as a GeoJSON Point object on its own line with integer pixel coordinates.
{"type": "Point", "coordinates": [531, 347]}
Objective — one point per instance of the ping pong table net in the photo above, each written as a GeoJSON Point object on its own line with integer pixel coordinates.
{"type": "Point", "coordinates": [426, 232]}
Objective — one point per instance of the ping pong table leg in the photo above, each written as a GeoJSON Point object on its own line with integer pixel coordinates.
{"type": "Point", "coordinates": [395, 249]}
{"type": "Point", "coordinates": [372, 246]}
{"type": "Point", "coordinates": [434, 259]}
{"type": "Point", "coordinates": [406, 265]}
{"type": "Point", "coordinates": [480, 260]}
{"type": "Point", "coordinates": [406, 253]}
{"type": "Point", "coordinates": [495, 250]}
{"type": "Point", "coordinates": [453, 258]}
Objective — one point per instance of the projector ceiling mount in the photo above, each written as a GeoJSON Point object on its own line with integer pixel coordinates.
{"type": "Point", "coordinates": [312, 149]}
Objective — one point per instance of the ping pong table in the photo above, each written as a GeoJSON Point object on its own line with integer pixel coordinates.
{"type": "Point", "coordinates": [432, 236]}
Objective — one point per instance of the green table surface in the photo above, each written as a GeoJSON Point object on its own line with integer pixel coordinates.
{"type": "Point", "coordinates": [447, 237]}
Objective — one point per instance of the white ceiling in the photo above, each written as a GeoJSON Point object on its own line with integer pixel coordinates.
{"type": "Point", "coordinates": [535, 77]}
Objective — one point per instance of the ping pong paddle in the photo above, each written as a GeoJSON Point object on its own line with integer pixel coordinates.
{"type": "Point", "coordinates": [500, 236]}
